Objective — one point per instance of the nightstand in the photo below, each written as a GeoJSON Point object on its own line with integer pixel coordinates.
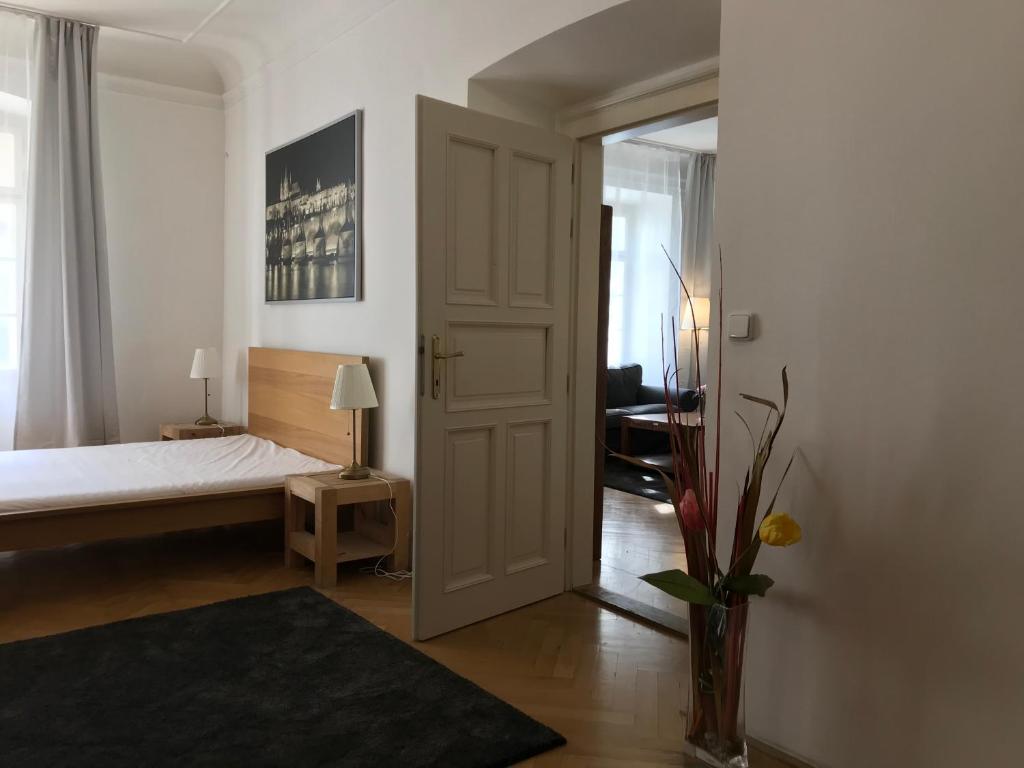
{"type": "Point", "coordinates": [196, 432]}
{"type": "Point", "coordinates": [370, 537]}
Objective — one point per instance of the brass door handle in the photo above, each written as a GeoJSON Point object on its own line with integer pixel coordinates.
{"type": "Point", "coordinates": [435, 369]}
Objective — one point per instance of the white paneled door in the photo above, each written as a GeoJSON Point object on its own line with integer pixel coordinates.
{"type": "Point", "coordinates": [494, 201]}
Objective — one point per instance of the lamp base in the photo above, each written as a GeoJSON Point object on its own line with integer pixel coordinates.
{"type": "Point", "coordinates": [206, 421]}
{"type": "Point", "coordinates": [354, 472]}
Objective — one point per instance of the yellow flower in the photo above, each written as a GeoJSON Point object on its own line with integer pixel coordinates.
{"type": "Point", "coordinates": [779, 530]}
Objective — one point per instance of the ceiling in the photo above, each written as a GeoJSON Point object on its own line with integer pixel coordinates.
{"type": "Point", "coordinates": [177, 19]}
{"type": "Point", "coordinates": [623, 45]}
{"type": "Point", "coordinates": [214, 45]}
{"type": "Point", "coordinates": [700, 136]}
{"type": "Point", "coordinates": [205, 45]}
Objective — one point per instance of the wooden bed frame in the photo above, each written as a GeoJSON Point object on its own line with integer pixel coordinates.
{"type": "Point", "coordinates": [289, 397]}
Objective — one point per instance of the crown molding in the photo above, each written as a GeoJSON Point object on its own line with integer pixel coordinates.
{"type": "Point", "coordinates": [299, 52]}
{"type": "Point", "coordinates": [135, 87]}
{"type": "Point", "coordinates": [27, 9]}
{"type": "Point", "coordinates": [663, 83]}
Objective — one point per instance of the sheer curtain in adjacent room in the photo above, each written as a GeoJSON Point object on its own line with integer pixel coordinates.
{"type": "Point", "coordinates": [643, 183]}
{"type": "Point", "coordinates": [698, 257]}
{"type": "Point", "coordinates": [16, 35]}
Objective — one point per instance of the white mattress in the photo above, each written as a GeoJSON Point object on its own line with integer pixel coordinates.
{"type": "Point", "coordinates": [74, 477]}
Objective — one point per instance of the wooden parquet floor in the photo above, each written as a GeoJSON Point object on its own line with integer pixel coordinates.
{"type": "Point", "coordinates": [614, 688]}
{"type": "Point", "coordinates": [639, 536]}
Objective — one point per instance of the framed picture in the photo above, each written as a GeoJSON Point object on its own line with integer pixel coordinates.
{"type": "Point", "coordinates": [314, 215]}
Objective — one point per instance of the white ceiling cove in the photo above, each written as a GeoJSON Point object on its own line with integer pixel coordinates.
{"type": "Point", "coordinates": [623, 45]}
{"type": "Point", "coordinates": [204, 45]}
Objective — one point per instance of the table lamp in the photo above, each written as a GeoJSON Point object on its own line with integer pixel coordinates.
{"type": "Point", "coordinates": [700, 318]}
{"type": "Point", "coordinates": [695, 317]}
{"type": "Point", "coordinates": [353, 391]}
{"type": "Point", "coordinates": [206, 366]}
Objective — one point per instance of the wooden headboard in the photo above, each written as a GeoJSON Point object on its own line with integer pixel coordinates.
{"type": "Point", "coordinates": [289, 403]}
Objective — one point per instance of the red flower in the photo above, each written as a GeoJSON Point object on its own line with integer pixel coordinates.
{"type": "Point", "coordinates": [692, 518]}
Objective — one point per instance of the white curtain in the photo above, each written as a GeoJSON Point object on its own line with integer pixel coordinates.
{"type": "Point", "coordinates": [16, 36]}
{"type": "Point", "coordinates": [66, 392]}
{"type": "Point", "coordinates": [643, 184]}
{"type": "Point", "coordinates": [698, 254]}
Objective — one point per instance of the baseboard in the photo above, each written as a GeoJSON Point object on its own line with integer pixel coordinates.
{"type": "Point", "coordinates": [646, 614]}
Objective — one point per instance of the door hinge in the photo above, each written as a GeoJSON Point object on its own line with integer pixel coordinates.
{"type": "Point", "coordinates": [572, 174]}
{"type": "Point", "coordinates": [572, 222]}
{"type": "Point", "coordinates": [565, 538]}
{"type": "Point", "coordinates": [567, 387]}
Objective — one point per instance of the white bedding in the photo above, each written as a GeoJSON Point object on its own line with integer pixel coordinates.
{"type": "Point", "coordinates": [74, 477]}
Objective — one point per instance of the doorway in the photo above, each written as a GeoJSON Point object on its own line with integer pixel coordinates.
{"type": "Point", "coordinates": [671, 83]}
{"type": "Point", "coordinates": [657, 216]}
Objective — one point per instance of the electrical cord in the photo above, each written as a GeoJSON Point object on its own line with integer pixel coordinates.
{"type": "Point", "coordinates": [377, 569]}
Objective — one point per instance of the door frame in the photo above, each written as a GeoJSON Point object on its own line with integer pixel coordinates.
{"type": "Point", "coordinates": [685, 105]}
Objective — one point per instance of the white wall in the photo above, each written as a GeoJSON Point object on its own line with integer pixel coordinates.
{"type": "Point", "coordinates": [410, 47]}
{"type": "Point", "coordinates": [871, 211]}
{"type": "Point", "coordinates": [163, 175]}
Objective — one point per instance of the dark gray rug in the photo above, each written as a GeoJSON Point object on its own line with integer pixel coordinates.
{"type": "Point", "coordinates": [623, 476]}
{"type": "Point", "coordinates": [283, 679]}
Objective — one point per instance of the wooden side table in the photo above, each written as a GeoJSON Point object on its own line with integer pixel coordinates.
{"type": "Point", "coordinates": [652, 422]}
{"type": "Point", "coordinates": [196, 432]}
{"type": "Point", "coordinates": [326, 547]}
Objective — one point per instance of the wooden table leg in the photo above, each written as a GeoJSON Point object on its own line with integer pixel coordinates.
{"type": "Point", "coordinates": [399, 559]}
{"type": "Point", "coordinates": [624, 447]}
{"type": "Point", "coordinates": [325, 565]}
{"type": "Point", "coordinates": [292, 522]}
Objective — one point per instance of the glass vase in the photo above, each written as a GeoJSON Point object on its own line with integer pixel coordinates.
{"type": "Point", "coordinates": [714, 722]}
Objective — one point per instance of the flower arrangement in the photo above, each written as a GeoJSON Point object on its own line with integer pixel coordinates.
{"type": "Point", "coordinates": [718, 593]}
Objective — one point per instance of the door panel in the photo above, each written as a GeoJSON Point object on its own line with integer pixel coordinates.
{"type": "Point", "coordinates": [468, 510]}
{"type": "Point", "coordinates": [530, 257]}
{"type": "Point", "coordinates": [527, 503]}
{"type": "Point", "coordinates": [494, 234]}
{"type": "Point", "coordinates": [504, 365]}
{"type": "Point", "coordinates": [472, 212]}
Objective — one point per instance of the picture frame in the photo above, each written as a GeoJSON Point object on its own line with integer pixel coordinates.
{"type": "Point", "coordinates": [313, 215]}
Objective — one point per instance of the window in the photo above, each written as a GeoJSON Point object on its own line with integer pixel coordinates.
{"type": "Point", "coordinates": [13, 158]}
{"type": "Point", "coordinates": [643, 184]}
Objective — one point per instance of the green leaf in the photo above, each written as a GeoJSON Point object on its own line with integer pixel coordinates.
{"type": "Point", "coordinates": [681, 585]}
{"type": "Point", "coordinates": [760, 400]}
{"type": "Point", "coordinates": [753, 447]}
{"type": "Point", "coordinates": [751, 584]}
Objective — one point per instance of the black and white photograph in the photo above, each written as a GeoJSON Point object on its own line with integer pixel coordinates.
{"type": "Point", "coordinates": [313, 215]}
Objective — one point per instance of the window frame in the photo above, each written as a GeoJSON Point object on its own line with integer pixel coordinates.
{"type": "Point", "coordinates": [16, 124]}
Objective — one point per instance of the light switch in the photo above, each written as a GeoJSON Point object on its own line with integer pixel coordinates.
{"type": "Point", "coordinates": [739, 326]}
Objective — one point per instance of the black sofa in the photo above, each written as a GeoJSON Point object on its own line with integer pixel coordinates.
{"type": "Point", "coordinates": [627, 395]}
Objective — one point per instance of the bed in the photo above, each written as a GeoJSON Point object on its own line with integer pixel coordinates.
{"type": "Point", "coordinates": [76, 495]}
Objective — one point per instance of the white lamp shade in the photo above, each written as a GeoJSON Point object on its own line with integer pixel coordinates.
{"type": "Point", "coordinates": [206, 364]}
{"type": "Point", "coordinates": [700, 318]}
{"type": "Point", "coordinates": [353, 388]}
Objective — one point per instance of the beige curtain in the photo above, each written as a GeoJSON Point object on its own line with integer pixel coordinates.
{"type": "Point", "coordinates": [66, 391]}
{"type": "Point", "coordinates": [699, 253]}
